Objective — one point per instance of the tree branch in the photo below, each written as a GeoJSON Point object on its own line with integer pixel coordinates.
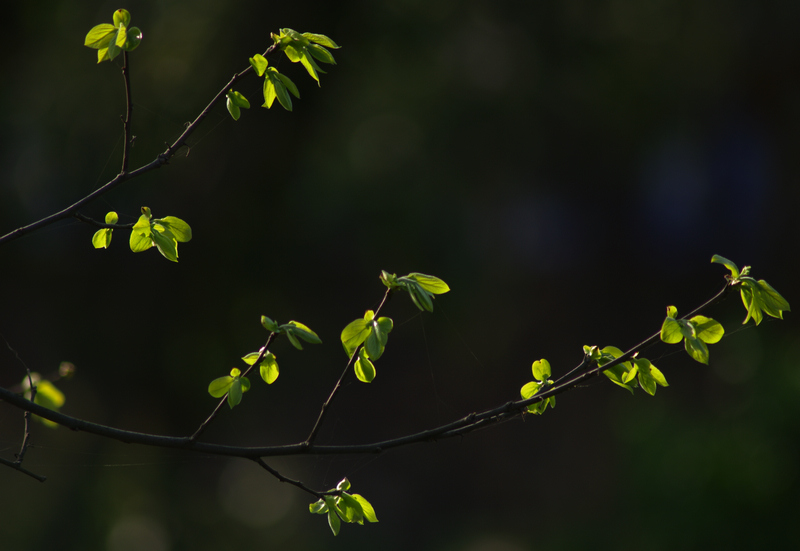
{"type": "Point", "coordinates": [124, 176]}
{"type": "Point", "coordinates": [459, 427]}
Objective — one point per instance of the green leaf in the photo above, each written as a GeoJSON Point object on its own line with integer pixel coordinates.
{"type": "Point", "coordinates": [165, 242]}
{"type": "Point", "coordinates": [235, 392]}
{"type": "Point", "coordinates": [351, 509]}
{"type": "Point", "coordinates": [322, 40]}
{"type": "Point", "coordinates": [269, 368]}
{"type": "Point", "coordinates": [100, 36]}
{"type": "Point", "coordinates": [343, 485]}
{"type": "Point", "coordinates": [111, 218]}
{"type": "Point", "coordinates": [295, 329]}
{"type": "Point", "coordinates": [355, 333]}
{"type": "Point", "coordinates": [259, 63]}
{"type": "Point", "coordinates": [318, 507]}
{"type": "Point", "coordinates": [141, 234]}
{"type": "Point", "coordinates": [179, 229]}
{"type": "Point", "coordinates": [541, 370]}
{"type": "Point", "coordinates": [430, 283]}
{"type": "Point", "coordinates": [321, 54]}
{"type": "Point", "coordinates": [134, 39]}
{"type": "Point", "coordinates": [287, 82]}
{"type": "Point", "coordinates": [727, 263]}
{"type": "Point", "coordinates": [364, 368]}
{"type": "Point", "coordinates": [102, 238]}
{"type": "Point", "coordinates": [671, 330]}
{"type": "Point", "coordinates": [649, 376]}
{"type": "Point", "coordinates": [122, 17]}
{"type": "Point", "coordinates": [771, 300]}
{"type": "Point", "coordinates": [219, 387]}
{"type": "Point", "coordinates": [707, 329]}
{"type": "Point", "coordinates": [269, 325]}
{"type": "Point", "coordinates": [233, 109]}
{"type": "Point", "coordinates": [235, 102]}
{"type": "Point", "coordinates": [697, 349]}
{"type": "Point", "coordinates": [366, 507]}
{"type": "Point", "coordinates": [333, 518]}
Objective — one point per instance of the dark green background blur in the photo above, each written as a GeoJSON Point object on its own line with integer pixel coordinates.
{"type": "Point", "coordinates": [569, 168]}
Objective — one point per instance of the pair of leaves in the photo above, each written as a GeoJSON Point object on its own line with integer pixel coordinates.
{"type": "Point", "coordinates": [294, 331]}
{"type": "Point", "coordinates": [110, 40]}
{"type": "Point", "coordinates": [234, 385]}
{"type": "Point", "coordinates": [421, 287]}
{"type": "Point", "coordinates": [307, 49]}
{"type": "Point", "coordinates": [343, 507]}
{"type": "Point", "coordinates": [374, 334]}
{"type": "Point", "coordinates": [695, 333]}
{"type": "Point", "coordinates": [629, 374]}
{"type": "Point", "coordinates": [759, 297]}
{"type": "Point", "coordinates": [276, 84]}
{"type": "Point", "coordinates": [47, 395]}
{"type": "Point", "coordinates": [541, 372]}
{"type": "Point", "coordinates": [268, 367]}
{"type": "Point", "coordinates": [235, 103]}
{"type": "Point", "coordinates": [164, 233]}
{"type": "Point", "coordinates": [102, 237]}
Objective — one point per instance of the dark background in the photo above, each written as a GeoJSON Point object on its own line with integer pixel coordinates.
{"type": "Point", "coordinates": [569, 168]}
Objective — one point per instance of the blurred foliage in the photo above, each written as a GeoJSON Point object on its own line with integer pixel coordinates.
{"type": "Point", "coordinates": [560, 153]}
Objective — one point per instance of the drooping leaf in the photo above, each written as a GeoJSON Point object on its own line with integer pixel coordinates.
{"type": "Point", "coordinates": [727, 263]}
{"type": "Point", "coordinates": [366, 507]}
{"type": "Point", "coordinates": [269, 368]}
{"type": "Point", "coordinates": [697, 349]}
{"type": "Point", "coordinates": [259, 63]}
{"type": "Point", "coordinates": [364, 368]}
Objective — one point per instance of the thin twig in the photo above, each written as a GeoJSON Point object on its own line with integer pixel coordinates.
{"type": "Point", "coordinates": [313, 434]}
{"type": "Point", "coordinates": [282, 478]}
{"type": "Point", "coordinates": [204, 425]}
{"type": "Point", "coordinates": [158, 162]}
{"type": "Point", "coordinates": [19, 468]}
{"type": "Point", "coordinates": [126, 124]}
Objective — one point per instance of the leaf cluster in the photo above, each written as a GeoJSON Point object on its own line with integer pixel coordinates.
{"type": "Point", "coordinates": [421, 287]}
{"type": "Point", "coordinates": [342, 506]}
{"type": "Point", "coordinates": [163, 233]}
{"type": "Point", "coordinates": [374, 334]}
{"type": "Point", "coordinates": [110, 40]}
{"type": "Point", "coordinates": [235, 384]}
{"type": "Point", "coordinates": [629, 374]}
{"type": "Point", "coordinates": [695, 333]}
{"type": "Point", "coordinates": [541, 372]}
{"type": "Point", "coordinates": [759, 297]}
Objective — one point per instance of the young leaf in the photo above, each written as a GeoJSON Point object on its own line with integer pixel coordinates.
{"type": "Point", "coordinates": [728, 264]}
{"type": "Point", "coordinates": [141, 234]}
{"type": "Point", "coordinates": [671, 332]}
{"type": "Point", "coordinates": [366, 508]}
{"type": "Point", "coordinates": [697, 349]}
{"type": "Point", "coordinates": [708, 330]}
{"type": "Point", "coordinates": [269, 368]}
{"type": "Point", "coordinates": [430, 283]}
{"type": "Point", "coordinates": [364, 368]}
{"type": "Point", "coordinates": [333, 518]}
{"type": "Point", "coordinates": [259, 63]}
{"type": "Point", "coordinates": [295, 329]}
{"type": "Point", "coordinates": [541, 370]}
{"type": "Point", "coordinates": [355, 333]}
{"type": "Point", "coordinates": [102, 238]}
